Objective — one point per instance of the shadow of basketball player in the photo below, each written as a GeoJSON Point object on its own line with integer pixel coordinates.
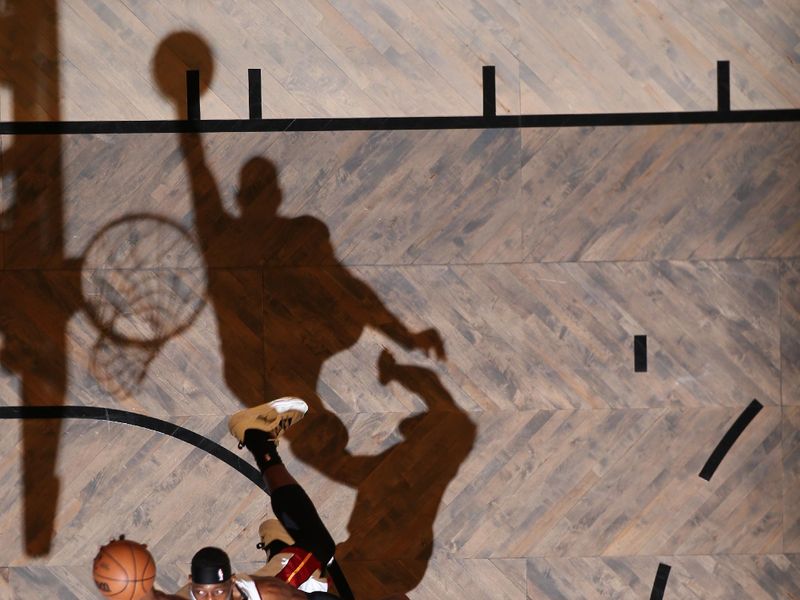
{"type": "Point", "coordinates": [314, 308]}
{"type": "Point", "coordinates": [400, 490]}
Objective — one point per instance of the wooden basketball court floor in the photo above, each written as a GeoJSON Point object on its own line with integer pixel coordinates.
{"type": "Point", "coordinates": [532, 461]}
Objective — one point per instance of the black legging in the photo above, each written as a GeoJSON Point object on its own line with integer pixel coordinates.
{"type": "Point", "coordinates": [297, 514]}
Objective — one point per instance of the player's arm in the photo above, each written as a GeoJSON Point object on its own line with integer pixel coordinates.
{"type": "Point", "coordinates": [271, 588]}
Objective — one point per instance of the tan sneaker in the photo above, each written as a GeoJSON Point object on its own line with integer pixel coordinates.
{"type": "Point", "coordinates": [273, 417]}
{"type": "Point", "coordinates": [271, 530]}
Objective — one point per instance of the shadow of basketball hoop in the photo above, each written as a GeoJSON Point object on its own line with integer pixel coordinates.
{"type": "Point", "coordinates": [137, 296]}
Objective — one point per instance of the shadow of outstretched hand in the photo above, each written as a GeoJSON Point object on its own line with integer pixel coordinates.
{"type": "Point", "coordinates": [430, 340]}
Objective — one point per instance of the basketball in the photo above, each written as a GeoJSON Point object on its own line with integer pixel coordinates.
{"type": "Point", "coordinates": [124, 570]}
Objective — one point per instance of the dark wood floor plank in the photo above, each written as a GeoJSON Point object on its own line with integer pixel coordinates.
{"type": "Point", "coordinates": [790, 333]}
{"type": "Point", "coordinates": [571, 505]}
{"type": "Point", "coordinates": [791, 478]}
{"type": "Point", "coordinates": [719, 577]}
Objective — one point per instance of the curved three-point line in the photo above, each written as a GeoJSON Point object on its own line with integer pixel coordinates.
{"type": "Point", "coordinates": [114, 415]}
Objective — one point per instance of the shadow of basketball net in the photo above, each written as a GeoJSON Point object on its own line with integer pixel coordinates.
{"type": "Point", "coordinates": [138, 295]}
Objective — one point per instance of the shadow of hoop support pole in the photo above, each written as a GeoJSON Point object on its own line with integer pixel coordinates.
{"type": "Point", "coordinates": [489, 94]}
{"type": "Point", "coordinates": [723, 86]}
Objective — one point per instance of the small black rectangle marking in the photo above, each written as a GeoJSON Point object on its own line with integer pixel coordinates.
{"type": "Point", "coordinates": [489, 94]}
{"type": "Point", "coordinates": [254, 92]}
{"type": "Point", "coordinates": [723, 86]}
{"type": "Point", "coordinates": [640, 353]}
{"type": "Point", "coordinates": [743, 420]}
{"type": "Point", "coordinates": [660, 584]}
{"type": "Point", "coordinates": [193, 95]}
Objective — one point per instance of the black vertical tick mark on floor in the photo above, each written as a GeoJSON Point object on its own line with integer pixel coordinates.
{"type": "Point", "coordinates": [640, 353]}
{"type": "Point", "coordinates": [661, 581]}
{"type": "Point", "coordinates": [254, 92]}
{"type": "Point", "coordinates": [748, 414]}
{"type": "Point", "coordinates": [193, 95]}
{"type": "Point", "coordinates": [489, 94]}
{"type": "Point", "coordinates": [723, 86]}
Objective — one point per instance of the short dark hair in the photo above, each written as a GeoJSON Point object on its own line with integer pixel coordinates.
{"type": "Point", "coordinates": [210, 565]}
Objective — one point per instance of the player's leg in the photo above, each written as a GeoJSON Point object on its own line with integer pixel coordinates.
{"type": "Point", "coordinates": [290, 503]}
{"type": "Point", "coordinates": [258, 430]}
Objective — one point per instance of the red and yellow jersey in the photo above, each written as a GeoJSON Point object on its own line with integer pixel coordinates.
{"type": "Point", "coordinates": [298, 568]}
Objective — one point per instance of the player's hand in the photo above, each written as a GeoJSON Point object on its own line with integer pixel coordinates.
{"type": "Point", "coordinates": [430, 340]}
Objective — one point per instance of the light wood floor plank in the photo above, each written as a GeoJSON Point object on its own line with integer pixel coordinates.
{"type": "Point", "coordinates": [336, 58]}
{"type": "Point", "coordinates": [682, 193]}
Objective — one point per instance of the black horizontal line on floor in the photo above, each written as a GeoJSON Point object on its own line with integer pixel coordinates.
{"type": "Point", "coordinates": [398, 123]}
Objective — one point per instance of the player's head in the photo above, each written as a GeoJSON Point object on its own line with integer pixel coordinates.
{"type": "Point", "coordinates": [211, 575]}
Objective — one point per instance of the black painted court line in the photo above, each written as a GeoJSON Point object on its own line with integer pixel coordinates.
{"type": "Point", "coordinates": [139, 420]}
{"type": "Point", "coordinates": [193, 95]}
{"type": "Point", "coordinates": [723, 86]}
{"type": "Point", "coordinates": [489, 93]}
{"type": "Point", "coordinates": [167, 428]}
{"type": "Point", "coordinates": [400, 123]}
{"type": "Point", "coordinates": [640, 353]}
{"type": "Point", "coordinates": [748, 414]}
{"type": "Point", "coordinates": [254, 93]}
{"type": "Point", "coordinates": [489, 119]}
{"type": "Point", "coordinates": [661, 581]}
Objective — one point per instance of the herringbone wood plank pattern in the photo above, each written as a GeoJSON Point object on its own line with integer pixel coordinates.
{"type": "Point", "coordinates": [689, 192]}
{"type": "Point", "coordinates": [690, 577]}
{"type": "Point", "coordinates": [411, 57]}
{"type": "Point", "coordinates": [791, 478]}
{"type": "Point", "coordinates": [790, 333]}
{"type": "Point", "coordinates": [531, 455]}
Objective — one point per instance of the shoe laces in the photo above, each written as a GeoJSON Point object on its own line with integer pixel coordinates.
{"type": "Point", "coordinates": [283, 425]}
